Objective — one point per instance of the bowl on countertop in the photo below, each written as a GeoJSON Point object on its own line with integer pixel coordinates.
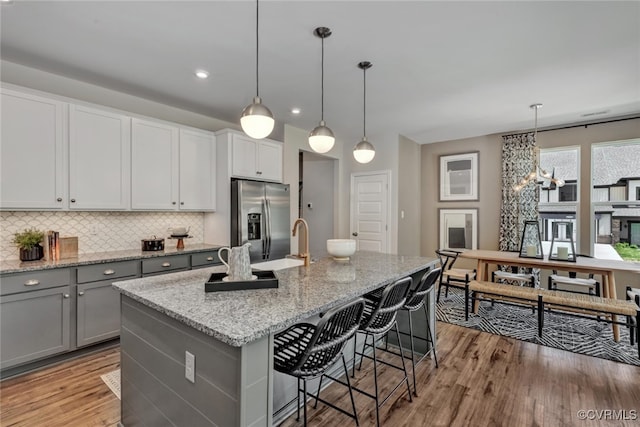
{"type": "Point", "coordinates": [179, 231]}
{"type": "Point", "coordinates": [341, 249]}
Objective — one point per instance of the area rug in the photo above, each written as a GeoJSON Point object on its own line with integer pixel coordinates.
{"type": "Point", "coordinates": [112, 380]}
{"type": "Point", "coordinates": [560, 331]}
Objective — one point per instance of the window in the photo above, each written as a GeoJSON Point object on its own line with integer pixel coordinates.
{"type": "Point", "coordinates": [559, 203]}
{"type": "Point", "coordinates": [568, 192]}
{"type": "Point", "coordinates": [615, 193]}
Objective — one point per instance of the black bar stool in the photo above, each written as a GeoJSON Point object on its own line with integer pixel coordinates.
{"type": "Point", "coordinates": [306, 351]}
{"type": "Point", "coordinates": [379, 318]}
{"type": "Point", "coordinates": [415, 301]}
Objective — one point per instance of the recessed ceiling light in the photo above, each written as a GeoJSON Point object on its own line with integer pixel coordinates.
{"type": "Point", "coordinates": [202, 74]}
{"type": "Point", "coordinates": [295, 110]}
{"type": "Point", "coordinates": [6, 1]}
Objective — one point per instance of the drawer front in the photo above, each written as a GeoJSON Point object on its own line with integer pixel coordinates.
{"type": "Point", "coordinates": [204, 259]}
{"type": "Point", "coordinates": [34, 280]}
{"type": "Point", "coordinates": [108, 271]}
{"type": "Point", "coordinates": [167, 263]}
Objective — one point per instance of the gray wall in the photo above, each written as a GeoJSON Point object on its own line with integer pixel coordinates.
{"type": "Point", "coordinates": [409, 185]}
{"type": "Point", "coordinates": [318, 189]}
{"type": "Point", "coordinates": [489, 191]}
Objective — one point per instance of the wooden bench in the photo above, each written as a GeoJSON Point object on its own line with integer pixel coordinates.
{"type": "Point", "coordinates": [578, 305]}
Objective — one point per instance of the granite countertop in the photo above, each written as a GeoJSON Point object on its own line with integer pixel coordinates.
{"type": "Point", "coordinates": [239, 317]}
{"type": "Point", "coordinates": [17, 266]}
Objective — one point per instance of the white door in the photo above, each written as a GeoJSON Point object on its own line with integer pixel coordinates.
{"type": "Point", "coordinates": [370, 211]}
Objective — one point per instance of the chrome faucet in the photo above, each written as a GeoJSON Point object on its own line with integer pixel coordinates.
{"type": "Point", "coordinates": [305, 255]}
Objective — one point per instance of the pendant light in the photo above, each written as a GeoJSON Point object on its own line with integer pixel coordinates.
{"type": "Point", "coordinates": [321, 138]}
{"type": "Point", "coordinates": [364, 151]}
{"type": "Point", "coordinates": [537, 170]}
{"type": "Point", "coordinates": [257, 120]}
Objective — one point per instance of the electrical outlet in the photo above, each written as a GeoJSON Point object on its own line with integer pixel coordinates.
{"type": "Point", "coordinates": [190, 366]}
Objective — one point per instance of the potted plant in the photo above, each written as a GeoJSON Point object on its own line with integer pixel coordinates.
{"type": "Point", "coordinates": [28, 241]}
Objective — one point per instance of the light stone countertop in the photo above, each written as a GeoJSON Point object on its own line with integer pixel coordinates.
{"type": "Point", "coordinates": [239, 317]}
{"type": "Point", "coordinates": [17, 266]}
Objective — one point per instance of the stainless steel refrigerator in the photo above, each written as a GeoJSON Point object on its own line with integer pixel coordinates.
{"type": "Point", "coordinates": [260, 216]}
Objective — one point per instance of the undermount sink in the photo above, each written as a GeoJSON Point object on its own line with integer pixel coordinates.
{"type": "Point", "coordinates": [278, 264]}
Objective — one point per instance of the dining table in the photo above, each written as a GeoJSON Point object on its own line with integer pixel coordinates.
{"type": "Point", "coordinates": [598, 267]}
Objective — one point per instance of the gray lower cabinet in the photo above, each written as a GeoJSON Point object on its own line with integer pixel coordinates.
{"type": "Point", "coordinates": [34, 325]}
{"type": "Point", "coordinates": [165, 264]}
{"type": "Point", "coordinates": [205, 259]}
{"type": "Point", "coordinates": [98, 313]}
{"type": "Point", "coordinates": [44, 313]}
{"type": "Point", "coordinates": [98, 304]}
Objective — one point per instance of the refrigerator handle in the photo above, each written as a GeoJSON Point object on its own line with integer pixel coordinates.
{"type": "Point", "coordinates": [263, 238]}
{"type": "Point", "coordinates": [268, 229]}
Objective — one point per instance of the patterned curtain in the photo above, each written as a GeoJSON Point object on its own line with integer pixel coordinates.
{"type": "Point", "coordinates": [518, 160]}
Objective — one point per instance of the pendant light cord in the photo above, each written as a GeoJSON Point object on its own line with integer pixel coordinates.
{"type": "Point", "coordinates": [535, 125]}
{"type": "Point", "coordinates": [257, 49]}
{"type": "Point", "coordinates": [322, 84]}
{"type": "Point", "coordinates": [364, 108]}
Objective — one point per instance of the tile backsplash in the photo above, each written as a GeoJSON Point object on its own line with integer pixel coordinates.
{"type": "Point", "coordinates": [100, 231]}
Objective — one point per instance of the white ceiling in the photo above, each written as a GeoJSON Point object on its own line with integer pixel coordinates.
{"type": "Point", "coordinates": [441, 70]}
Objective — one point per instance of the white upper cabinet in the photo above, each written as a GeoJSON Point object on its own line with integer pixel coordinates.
{"type": "Point", "coordinates": [32, 157]}
{"type": "Point", "coordinates": [99, 159]}
{"type": "Point", "coordinates": [269, 161]}
{"type": "Point", "coordinates": [61, 155]}
{"type": "Point", "coordinates": [197, 171]}
{"type": "Point", "coordinates": [154, 166]}
{"type": "Point", "coordinates": [171, 168]}
{"type": "Point", "coordinates": [256, 159]}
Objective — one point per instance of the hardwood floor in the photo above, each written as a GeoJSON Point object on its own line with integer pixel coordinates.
{"type": "Point", "coordinates": [69, 394]}
{"type": "Point", "coordinates": [482, 380]}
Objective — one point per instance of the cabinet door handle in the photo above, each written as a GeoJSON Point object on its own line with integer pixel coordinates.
{"type": "Point", "coordinates": [66, 295]}
{"type": "Point", "coordinates": [59, 199]}
{"type": "Point", "coordinates": [80, 293]}
{"type": "Point", "coordinates": [259, 172]}
{"type": "Point", "coordinates": [173, 203]}
{"type": "Point", "coordinates": [73, 200]}
{"type": "Point", "coordinates": [209, 258]}
{"type": "Point", "coordinates": [32, 282]}
{"type": "Point", "coordinates": [166, 264]}
{"type": "Point", "coordinates": [182, 203]}
{"type": "Point", "coordinates": [109, 272]}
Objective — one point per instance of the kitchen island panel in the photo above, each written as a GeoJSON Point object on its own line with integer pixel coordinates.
{"type": "Point", "coordinates": [231, 384]}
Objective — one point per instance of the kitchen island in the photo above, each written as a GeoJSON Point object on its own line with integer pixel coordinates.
{"type": "Point", "coordinates": [166, 319]}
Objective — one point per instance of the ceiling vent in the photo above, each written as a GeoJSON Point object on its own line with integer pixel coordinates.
{"type": "Point", "coordinates": [596, 113]}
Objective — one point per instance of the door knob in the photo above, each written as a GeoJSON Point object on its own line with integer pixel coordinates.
{"type": "Point", "coordinates": [355, 234]}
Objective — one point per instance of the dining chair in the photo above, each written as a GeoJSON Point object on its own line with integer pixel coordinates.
{"type": "Point", "coordinates": [522, 276]}
{"type": "Point", "coordinates": [450, 276]}
{"type": "Point", "coordinates": [570, 283]}
{"type": "Point", "coordinates": [307, 351]}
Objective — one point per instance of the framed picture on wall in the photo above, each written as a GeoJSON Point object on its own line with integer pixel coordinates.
{"type": "Point", "coordinates": [459, 177]}
{"type": "Point", "coordinates": [458, 229]}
